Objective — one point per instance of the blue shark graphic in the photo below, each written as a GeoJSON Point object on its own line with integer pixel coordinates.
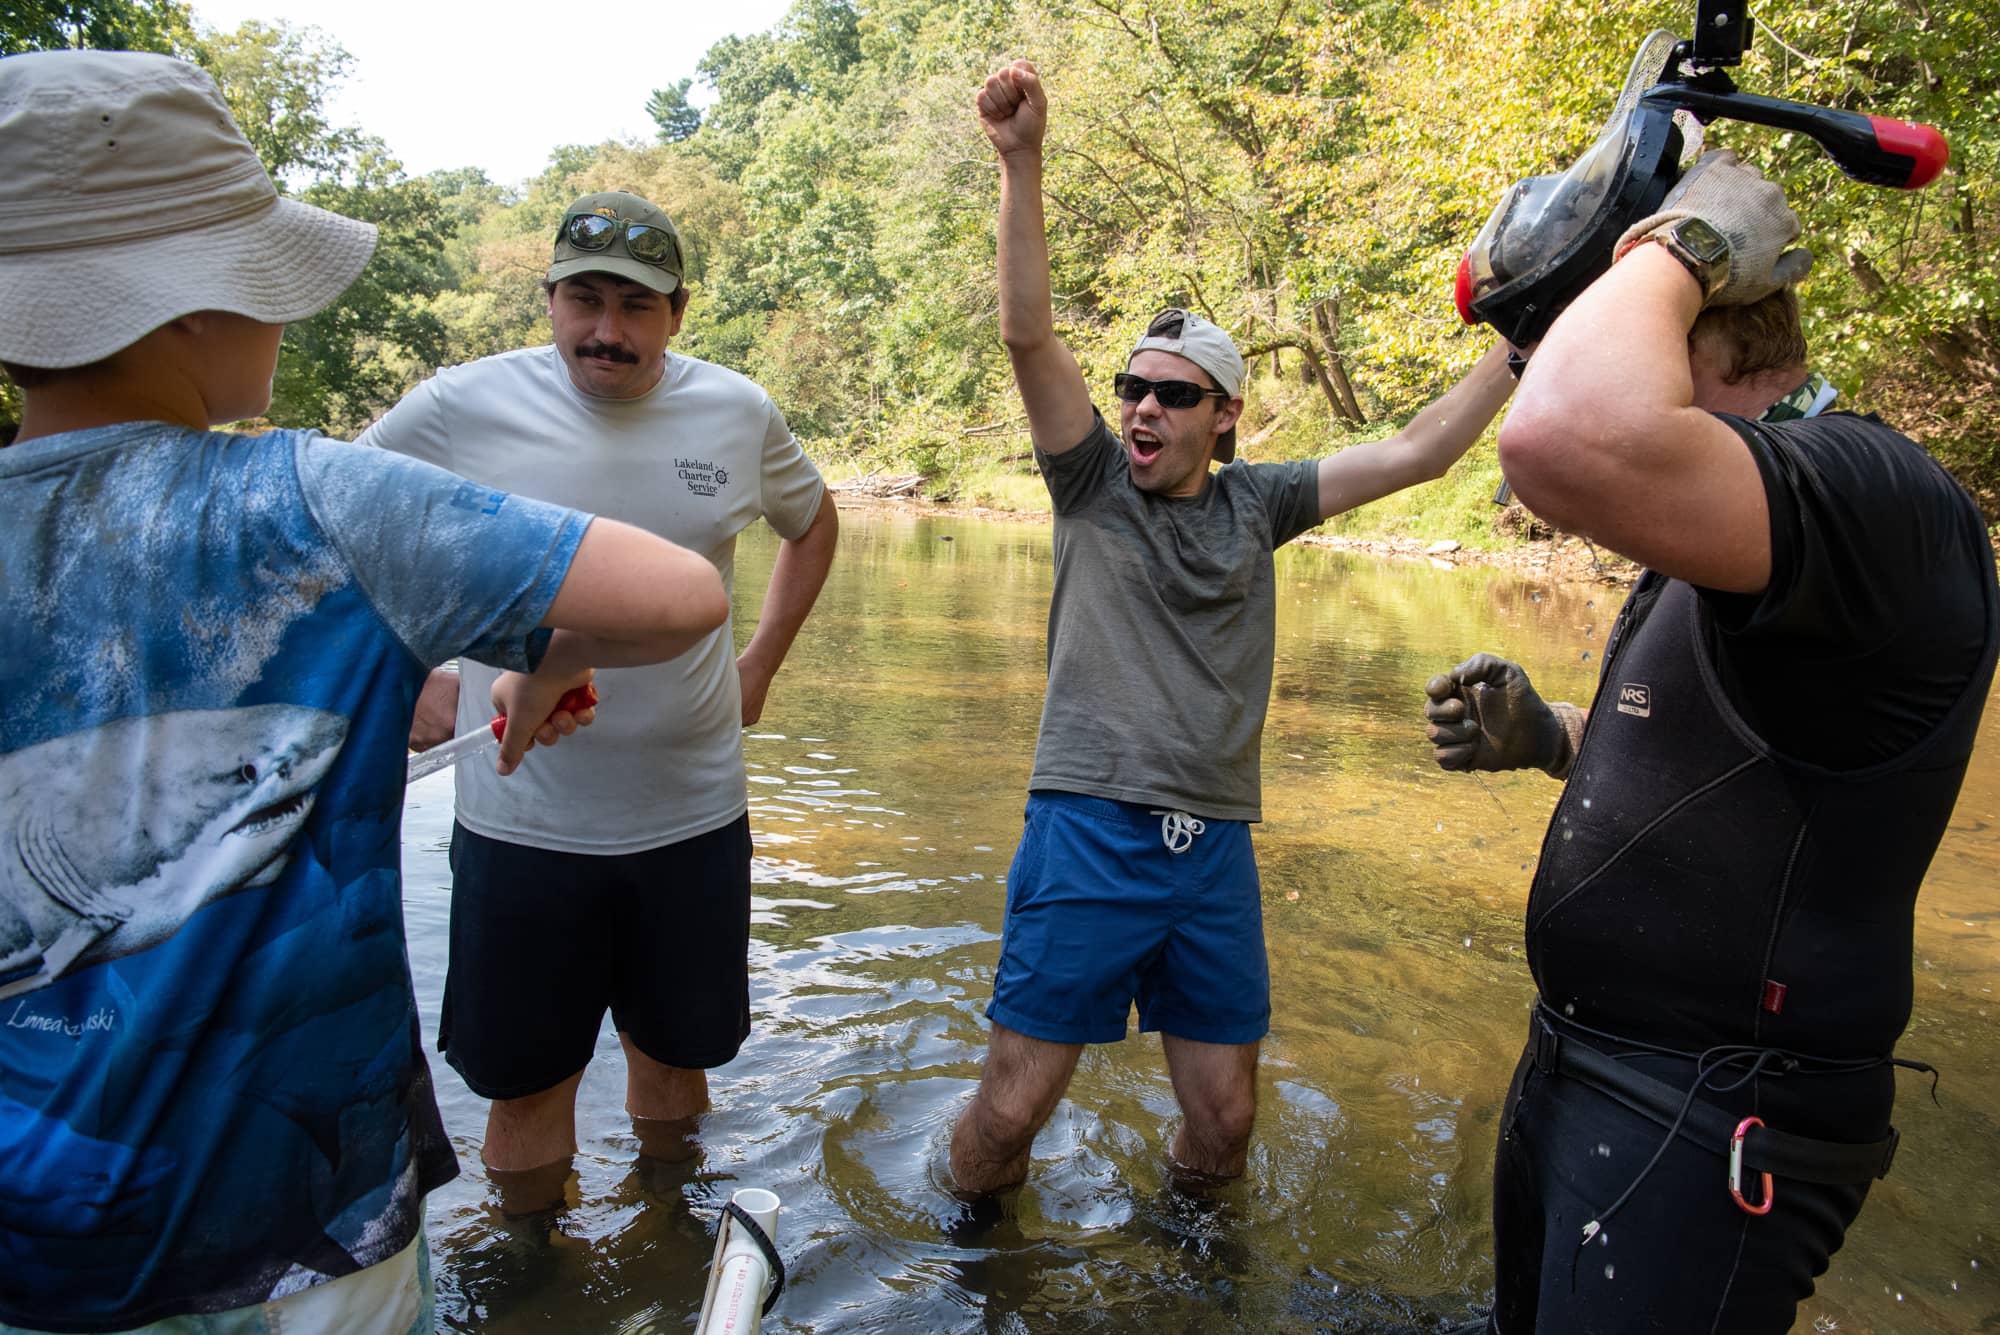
{"type": "Point", "coordinates": [113, 837]}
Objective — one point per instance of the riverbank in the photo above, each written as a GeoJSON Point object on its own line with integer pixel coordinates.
{"type": "Point", "coordinates": [1557, 559]}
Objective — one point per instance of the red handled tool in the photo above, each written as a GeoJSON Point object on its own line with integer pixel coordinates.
{"type": "Point", "coordinates": [487, 738]}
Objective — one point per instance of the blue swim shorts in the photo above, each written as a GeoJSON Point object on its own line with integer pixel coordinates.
{"type": "Point", "coordinates": [1108, 902]}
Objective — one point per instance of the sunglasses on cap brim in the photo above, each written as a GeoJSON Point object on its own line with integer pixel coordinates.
{"type": "Point", "coordinates": [643, 241]}
{"type": "Point", "coordinates": [1170, 393]}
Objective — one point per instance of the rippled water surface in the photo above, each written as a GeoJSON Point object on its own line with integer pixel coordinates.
{"type": "Point", "coordinates": [886, 785]}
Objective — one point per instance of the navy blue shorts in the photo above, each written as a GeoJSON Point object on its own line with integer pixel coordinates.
{"type": "Point", "coordinates": [1108, 902]}
{"type": "Point", "coordinates": [542, 942]}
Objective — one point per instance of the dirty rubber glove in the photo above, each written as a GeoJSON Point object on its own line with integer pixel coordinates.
{"type": "Point", "coordinates": [1485, 715]}
{"type": "Point", "coordinates": [1752, 216]}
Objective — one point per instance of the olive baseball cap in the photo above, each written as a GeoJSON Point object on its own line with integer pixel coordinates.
{"type": "Point", "coordinates": [620, 234]}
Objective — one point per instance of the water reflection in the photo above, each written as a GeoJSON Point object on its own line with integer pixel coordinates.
{"type": "Point", "coordinates": [887, 781]}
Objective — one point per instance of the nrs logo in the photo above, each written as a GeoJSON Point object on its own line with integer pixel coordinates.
{"type": "Point", "coordinates": [1635, 700]}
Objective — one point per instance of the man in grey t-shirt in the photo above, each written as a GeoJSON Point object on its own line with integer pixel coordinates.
{"type": "Point", "coordinates": [1135, 877]}
{"type": "Point", "coordinates": [620, 879]}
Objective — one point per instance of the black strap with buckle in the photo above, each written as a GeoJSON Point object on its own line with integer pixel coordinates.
{"type": "Point", "coordinates": [1832, 1163]}
{"type": "Point", "coordinates": [772, 1260]}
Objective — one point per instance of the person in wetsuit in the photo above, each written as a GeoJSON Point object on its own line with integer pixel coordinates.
{"type": "Point", "coordinates": [1720, 923]}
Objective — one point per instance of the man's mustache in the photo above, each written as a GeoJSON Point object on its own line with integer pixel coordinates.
{"type": "Point", "coordinates": [608, 351]}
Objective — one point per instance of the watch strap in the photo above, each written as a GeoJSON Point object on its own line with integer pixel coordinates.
{"type": "Point", "coordinates": [1709, 271]}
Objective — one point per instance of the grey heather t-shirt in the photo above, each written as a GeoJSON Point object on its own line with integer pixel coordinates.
{"type": "Point", "coordinates": [1161, 630]}
{"type": "Point", "coordinates": [696, 459]}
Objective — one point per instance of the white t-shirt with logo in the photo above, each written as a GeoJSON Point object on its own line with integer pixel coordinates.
{"type": "Point", "coordinates": [697, 459]}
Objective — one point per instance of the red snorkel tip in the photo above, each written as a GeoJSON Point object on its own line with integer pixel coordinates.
{"type": "Point", "coordinates": [1461, 289]}
{"type": "Point", "coordinates": [1922, 144]}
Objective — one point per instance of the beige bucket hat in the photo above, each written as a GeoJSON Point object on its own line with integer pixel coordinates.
{"type": "Point", "coordinates": [128, 198]}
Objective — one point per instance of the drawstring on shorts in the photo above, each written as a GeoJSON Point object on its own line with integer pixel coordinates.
{"type": "Point", "coordinates": [1178, 829]}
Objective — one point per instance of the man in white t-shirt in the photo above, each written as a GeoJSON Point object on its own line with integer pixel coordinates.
{"type": "Point", "coordinates": [621, 878]}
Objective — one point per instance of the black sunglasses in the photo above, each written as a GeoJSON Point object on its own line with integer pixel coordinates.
{"type": "Point", "coordinates": [1170, 393]}
{"type": "Point", "coordinates": [643, 241]}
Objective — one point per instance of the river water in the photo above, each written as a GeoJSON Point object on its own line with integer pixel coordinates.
{"type": "Point", "coordinates": [886, 785]}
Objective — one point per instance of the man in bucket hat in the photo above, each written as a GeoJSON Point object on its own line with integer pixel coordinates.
{"type": "Point", "coordinates": [213, 1099]}
{"type": "Point", "coordinates": [619, 878]}
{"type": "Point", "coordinates": [1135, 878]}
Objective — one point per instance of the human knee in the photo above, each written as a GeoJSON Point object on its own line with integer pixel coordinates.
{"type": "Point", "coordinates": [659, 1092]}
{"type": "Point", "coordinates": [1008, 1118]}
{"type": "Point", "coordinates": [1223, 1123]}
{"type": "Point", "coordinates": [541, 1118]}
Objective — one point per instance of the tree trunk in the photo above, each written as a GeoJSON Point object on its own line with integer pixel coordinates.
{"type": "Point", "coordinates": [1271, 297]}
{"type": "Point", "coordinates": [1326, 317]}
{"type": "Point", "coordinates": [1314, 371]}
{"type": "Point", "coordinates": [1959, 353]}
{"type": "Point", "coordinates": [1983, 321]}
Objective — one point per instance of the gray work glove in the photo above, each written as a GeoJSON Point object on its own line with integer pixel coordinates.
{"type": "Point", "coordinates": [1484, 714]}
{"type": "Point", "coordinates": [1752, 216]}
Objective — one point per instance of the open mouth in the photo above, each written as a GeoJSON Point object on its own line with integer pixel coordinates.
{"type": "Point", "coordinates": [267, 818]}
{"type": "Point", "coordinates": [1144, 446]}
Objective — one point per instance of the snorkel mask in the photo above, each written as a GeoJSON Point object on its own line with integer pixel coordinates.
{"type": "Point", "coordinates": [1551, 236]}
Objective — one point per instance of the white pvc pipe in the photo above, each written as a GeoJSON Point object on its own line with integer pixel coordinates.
{"type": "Point", "coordinates": [739, 1276]}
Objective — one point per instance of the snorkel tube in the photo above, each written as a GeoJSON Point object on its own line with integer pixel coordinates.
{"type": "Point", "coordinates": [1551, 236]}
{"type": "Point", "coordinates": [1874, 150]}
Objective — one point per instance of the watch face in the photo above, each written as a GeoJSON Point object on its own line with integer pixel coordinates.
{"type": "Point", "coordinates": [1702, 241]}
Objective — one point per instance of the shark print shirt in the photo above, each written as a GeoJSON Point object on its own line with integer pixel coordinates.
{"type": "Point", "coordinates": [212, 1089]}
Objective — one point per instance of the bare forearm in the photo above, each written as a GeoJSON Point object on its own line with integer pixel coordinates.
{"type": "Point", "coordinates": [1439, 436]}
{"type": "Point", "coordinates": [1435, 439]}
{"type": "Point", "coordinates": [1027, 305]}
{"type": "Point", "coordinates": [1619, 355]}
{"type": "Point", "coordinates": [1605, 439]}
{"type": "Point", "coordinates": [1045, 372]}
{"type": "Point", "coordinates": [572, 651]}
{"type": "Point", "coordinates": [631, 598]}
{"type": "Point", "coordinates": [1601, 404]}
{"type": "Point", "coordinates": [796, 579]}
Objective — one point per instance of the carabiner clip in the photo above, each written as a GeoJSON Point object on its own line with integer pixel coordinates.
{"type": "Point", "coordinates": [1736, 1172]}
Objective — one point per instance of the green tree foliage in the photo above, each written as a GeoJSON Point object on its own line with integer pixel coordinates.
{"type": "Point", "coordinates": [1403, 133]}
{"type": "Point", "coordinates": [347, 364]}
{"type": "Point", "coordinates": [277, 79]}
{"type": "Point", "coordinates": [344, 366]}
{"type": "Point", "coordinates": [467, 193]}
{"type": "Point", "coordinates": [107, 25]}
{"type": "Point", "coordinates": [671, 111]}
{"type": "Point", "coordinates": [1903, 297]}
{"type": "Point", "coordinates": [1305, 172]}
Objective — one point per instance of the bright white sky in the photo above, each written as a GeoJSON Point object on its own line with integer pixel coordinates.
{"type": "Point", "coordinates": [498, 84]}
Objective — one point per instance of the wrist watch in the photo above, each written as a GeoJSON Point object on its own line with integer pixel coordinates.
{"type": "Point", "coordinates": [1702, 251]}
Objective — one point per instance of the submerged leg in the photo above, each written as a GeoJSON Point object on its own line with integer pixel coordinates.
{"type": "Point", "coordinates": [1023, 1081]}
{"type": "Point", "coordinates": [534, 1130]}
{"type": "Point", "coordinates": [1216, 1084]}
{"type": "Point", "coordinates": [666, 1103]}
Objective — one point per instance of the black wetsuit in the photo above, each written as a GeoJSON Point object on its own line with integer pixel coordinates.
{"type": "Point", "coordinates": [1734, 864]}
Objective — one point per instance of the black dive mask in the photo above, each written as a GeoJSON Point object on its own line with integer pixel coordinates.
{"type": "Point", "coordinates": [1551, 236]}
